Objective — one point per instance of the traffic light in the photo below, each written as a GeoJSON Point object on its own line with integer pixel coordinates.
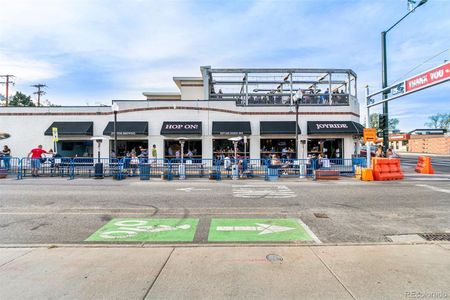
{"type": "Point", "coordinates": [382, 122]}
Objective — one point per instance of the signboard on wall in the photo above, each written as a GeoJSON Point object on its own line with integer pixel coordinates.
{"type": "Point", "coordinates": [178, 127]}
{"type": "Point", "coordinates": [55, 134]}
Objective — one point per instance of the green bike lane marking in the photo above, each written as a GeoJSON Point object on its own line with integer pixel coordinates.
{"type": "Point", "coordinates": [142, 229]}
{"type": "Point", "coordinates": [254, 230]}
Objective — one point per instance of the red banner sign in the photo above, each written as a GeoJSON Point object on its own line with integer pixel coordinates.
{"type": "Point", "coordinates": [428, 78]}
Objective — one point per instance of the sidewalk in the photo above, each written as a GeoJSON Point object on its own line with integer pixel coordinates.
{"type": "Point", "coordinates": [384, 271]}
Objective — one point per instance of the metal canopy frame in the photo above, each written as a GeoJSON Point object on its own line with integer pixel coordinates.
{"type": "Point", "coordinates": [278, 85]}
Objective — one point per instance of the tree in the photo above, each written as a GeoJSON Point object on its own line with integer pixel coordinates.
{"type": "Point", "coordinates": [20, 99]}
{"type": "Point", "coordinates": [373, 121]}
{"type": "Point", "coordinates": [439, 121]}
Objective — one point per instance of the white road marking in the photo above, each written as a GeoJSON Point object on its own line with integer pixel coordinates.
{"type": "Point", "coordinates": [126, 230]}
{"type": "Point", "coordinates": [434, 188]}
{"type": "Point", "coordinates": [192, 189]}
{"type": "Point", "coordinates": [265, 191]}
{"type": "Point", "coordinates": [262, 228]}
{"type": "Point", "coordinates": [309, 231]}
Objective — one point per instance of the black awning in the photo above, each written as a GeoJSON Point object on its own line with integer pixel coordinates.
{"type": "Point", "coordinates": [277, 127]}
{"type": "Point", "coordinates": [72, 128]}
{"type": "Point", "coordinates": [325, 127]}
{"type": "Point", "coordinates": [231, 128]}
{"type": "Point", "coordinates": [178, 128]}
{"type": "Point", "coordinates": [127, 128]}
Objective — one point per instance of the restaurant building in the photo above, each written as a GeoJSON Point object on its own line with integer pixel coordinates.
{"type": "Point", "coordinates": [258, 105]}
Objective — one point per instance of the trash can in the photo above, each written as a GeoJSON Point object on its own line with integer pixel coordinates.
{"type": "Point", "coordinates": [273, 173]}
{"type": "Point", "coordinates": [98, 171]}
{"type": "Point", "coordinates": [144, 171]}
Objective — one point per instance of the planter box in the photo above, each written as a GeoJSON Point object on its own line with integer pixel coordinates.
{"type": "Point", "coordinates": [3, 173]}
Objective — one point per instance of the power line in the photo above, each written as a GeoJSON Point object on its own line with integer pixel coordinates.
{"type": "Point", "coordinates": [39, 92]}
{"type": "Point", "coordinates": [7, 82]}
{"type": "Point", "coordinates": [421, 64]}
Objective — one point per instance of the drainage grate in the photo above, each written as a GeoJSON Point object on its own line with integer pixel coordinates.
{"type": "Point", "coordinates": [436, 236]}
{"type": "Point", "coordinates": [321, 215]}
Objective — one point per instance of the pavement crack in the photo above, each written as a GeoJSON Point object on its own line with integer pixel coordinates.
{"type": "Point", "coordinates": [10, 261]}
{"type": "Point", "coordinates": [332, 273]}
{"type": "Point", "coordinates": [159, 273]}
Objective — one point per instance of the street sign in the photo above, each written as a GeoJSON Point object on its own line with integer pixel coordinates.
{"type": "Point", "coordinates": [413, 84]}
{"type": "Point", "coordinates": [139, 230]}
{"type": "Point", "coordinates": [249, 230]}
{"type": "Point", "coordinates": [55, 134]}
{"type": "Point", "coordinates": [428, 78]}
{"type": "Point", "coordinates": [370, 134]}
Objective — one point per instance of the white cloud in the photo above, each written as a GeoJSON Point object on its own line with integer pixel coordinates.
{"type": "Point", "coordinates": [28, 70]}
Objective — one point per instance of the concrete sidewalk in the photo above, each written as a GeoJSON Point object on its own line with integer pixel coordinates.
{"type": "Point", "coordinates": [386, 271]}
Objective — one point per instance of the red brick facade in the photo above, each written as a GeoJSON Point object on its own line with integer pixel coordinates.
{"type": "Point", "coordinates": [436, 144]}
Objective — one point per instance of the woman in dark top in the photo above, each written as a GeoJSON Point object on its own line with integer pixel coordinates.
{"type": "Point", "coordinates": [6, 156]}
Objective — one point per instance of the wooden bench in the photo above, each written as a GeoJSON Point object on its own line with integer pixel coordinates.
{"type": "Point", "coordinates": [326, 174]}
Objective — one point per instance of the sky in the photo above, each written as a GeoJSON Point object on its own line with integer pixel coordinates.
{"type": "Point", "coordinates": [89, 52]}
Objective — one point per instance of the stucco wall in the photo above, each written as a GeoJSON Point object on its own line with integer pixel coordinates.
{"type": "Point", "coordinates": [27, 125]}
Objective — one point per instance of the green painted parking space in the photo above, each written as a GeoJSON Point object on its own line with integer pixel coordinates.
{"type": "Point", "coordinates": [142, 230]}
{"type": "Point", "coordinates": [257, 230]}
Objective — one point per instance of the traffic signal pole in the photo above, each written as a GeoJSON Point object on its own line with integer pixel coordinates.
{"type": "Point", "coordinates": [385, 93]}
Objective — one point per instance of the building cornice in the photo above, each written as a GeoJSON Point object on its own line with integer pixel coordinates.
{"type": "Point", "coordinates": [131, 110]}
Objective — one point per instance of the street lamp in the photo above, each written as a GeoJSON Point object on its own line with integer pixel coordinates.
{"type": "Point", "coordinates": [298, 96]}
{"type": "Point", "coordinates": [181, 169]}
{"type": "Point", "coordinates": [235, 141]}
{"type": "Point", "coordinates": [384, 74]}
{"type": "Point", "coordinates": [115, 109]}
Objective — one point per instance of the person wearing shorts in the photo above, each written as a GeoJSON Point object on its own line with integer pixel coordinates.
{"type": "Point", "coordinates": [35, 155]}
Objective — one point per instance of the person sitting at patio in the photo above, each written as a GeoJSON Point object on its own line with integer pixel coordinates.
{"type": "Point", "coordinates": [134, 164]}
{"type": "Point", "coordinates": [324, 162]}
{"type": "Point", "coordinates": [227, 165]}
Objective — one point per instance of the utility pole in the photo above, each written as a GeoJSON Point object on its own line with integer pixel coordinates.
{"type": "Point", "coordinates": [7, 82]}
{"type": "Point", "coordinates": [39, 92]}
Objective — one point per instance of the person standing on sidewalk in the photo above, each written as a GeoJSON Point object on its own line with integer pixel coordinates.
{"type": "Point", "coordinates": [154, 154]}
{"type": "Point", "coordinates": [36, 155]}
{"type": "Point", "coordinates": [6, 157]}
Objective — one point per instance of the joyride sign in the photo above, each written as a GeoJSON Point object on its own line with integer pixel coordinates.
{"type": "Point", "coordinates": [428, 78]}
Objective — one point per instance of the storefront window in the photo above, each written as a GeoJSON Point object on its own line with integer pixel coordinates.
{"type": "Point", "coordinates": [282, 148]}
{"type": "Point", "coordinates": [127, 147]}
{"type": "Point", "coordinates": [225, 147]}
{"type": "Point", "coordinates": [331, 148]}
{"type": "Point", "coordinates": [74, 148]}
{"type": "Point", "coordinates": [192, 148]}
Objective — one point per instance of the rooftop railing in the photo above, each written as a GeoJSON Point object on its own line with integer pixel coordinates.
{"type": "Point", "coordinates": [341, 99]}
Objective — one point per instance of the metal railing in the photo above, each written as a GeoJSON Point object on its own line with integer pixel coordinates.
{"type": "Point", "coordinates": [145, 168]}
{"type": "Point", "coordinates": [285, 100]}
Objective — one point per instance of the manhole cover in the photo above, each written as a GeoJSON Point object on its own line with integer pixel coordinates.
{"type": "Point", "coordinates": [436, 236]}
{"type": "Point", "coordinates": [321, 215]}
{"type": "Point", "coordinates": [273, 258]}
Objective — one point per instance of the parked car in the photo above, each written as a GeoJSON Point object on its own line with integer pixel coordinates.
{"type": "Point", "coordinates": [363, 151]}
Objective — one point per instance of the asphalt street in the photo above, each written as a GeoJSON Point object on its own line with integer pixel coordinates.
{"type": "Point", "coordinates": [61, 211]}
{"type": "Point", "coordinates": [441, 164]}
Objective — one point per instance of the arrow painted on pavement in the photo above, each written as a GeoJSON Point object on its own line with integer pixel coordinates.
{"type": "Point", "coordinates": [262, 228]}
